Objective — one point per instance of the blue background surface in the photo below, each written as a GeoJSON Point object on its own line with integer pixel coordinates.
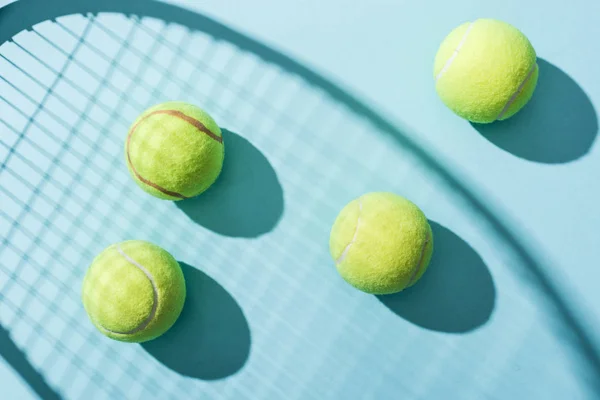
{"type": "Point", "coordinates": [498, 332]}
{"type": "Point", "coordinates": [384, 50]}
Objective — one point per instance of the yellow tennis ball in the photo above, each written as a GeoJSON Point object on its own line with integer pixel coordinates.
{"type": "Point", "coordinates": [381, 243]}
{"type": "Point", "coordinates": [485, 70]}
{"type": "Point", "coordinates": [174, 151]}
{"type": "Point", "coordinates": [134, 291]}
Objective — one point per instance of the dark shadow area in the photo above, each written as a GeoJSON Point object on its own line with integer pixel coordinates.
{"type": "Point", "coordinates": [456, 293]}
{"type": "Point", "coordinates": [18, 361]}
{"type": "Point", "coordinates": [577, 338]}
{"type": "Point", "coordinates": [558, 125]}
{"type": "Point", "coordinates": [246, 200]}
{"type": "Point", "coordinates": [211, 338]}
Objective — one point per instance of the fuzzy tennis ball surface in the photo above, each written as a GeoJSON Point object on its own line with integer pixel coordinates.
{"type": "Point", "coordinates": [134, 291]}
{"type": "Point", "coordinates": [381, 243]}
{"type": "Point", "coordinates": [174, 151]}
{"type": "Point", "coordinates": [485, 70]}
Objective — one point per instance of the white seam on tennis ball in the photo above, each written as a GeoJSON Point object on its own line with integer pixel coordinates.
{"type": "Point", "coordinates": [345, 252]}
{"type": "Point", "coordinates": [150, 316]}
{"type": "Point", "coordinates": [419, 265]}
{"type": "Point", "coordinates": [455, 53]}
{"type": "Point", "coordinates": [519, 90]}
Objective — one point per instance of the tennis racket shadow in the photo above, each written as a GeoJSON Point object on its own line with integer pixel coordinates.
{"type": "Point", "coordinates": [211, 338]}
{"type": "Point", "coordinates": [17, 359]}
{"type": "Point", "coordinates": [26, 13]}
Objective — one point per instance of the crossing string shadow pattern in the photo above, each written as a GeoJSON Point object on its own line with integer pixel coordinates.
{"type": "Point", "coordinates": [27, 13]}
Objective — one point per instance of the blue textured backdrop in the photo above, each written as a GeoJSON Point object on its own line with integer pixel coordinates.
{"type": "Point", "coordinates": [507, 308]}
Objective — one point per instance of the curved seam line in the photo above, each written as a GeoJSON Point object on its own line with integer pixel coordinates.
{"type": "Point", "coordinates": [192, 121]}
{"type": "Point", "coordinates": [455, 53]}
{"type": "Point", "coordinates": [419, 265]}
{"type": "Point", "coordinates": [518, 92]}
{"type": "Point", "coordinates": [345, 252]}
{"type": "Point", "coordinates": [178, 114]}
{"type": "Point", "coordinates": [150, 316]}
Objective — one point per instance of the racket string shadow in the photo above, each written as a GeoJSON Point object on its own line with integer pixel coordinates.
{"type": "Point", "coordinates": [27, 13]}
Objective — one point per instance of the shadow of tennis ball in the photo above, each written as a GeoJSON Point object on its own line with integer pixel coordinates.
{"type": "Point", "coordinates": [211, 338]}
{"type": "Point", "coordinates": [558, 125]}
{"type": "Point", "coordinates": [456, 293]}
{"type": "Point", "coordinates": [247, 198]}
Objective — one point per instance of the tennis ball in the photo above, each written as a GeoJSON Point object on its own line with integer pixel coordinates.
{"type": "Point", "coordinates": [381, 243]}
{"type": "Point", "coordinates": [134, 291]}
{"type": "Point", "coordinates": [174, 151]}
{"type": "Point", "coordinates": [485, 70]}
